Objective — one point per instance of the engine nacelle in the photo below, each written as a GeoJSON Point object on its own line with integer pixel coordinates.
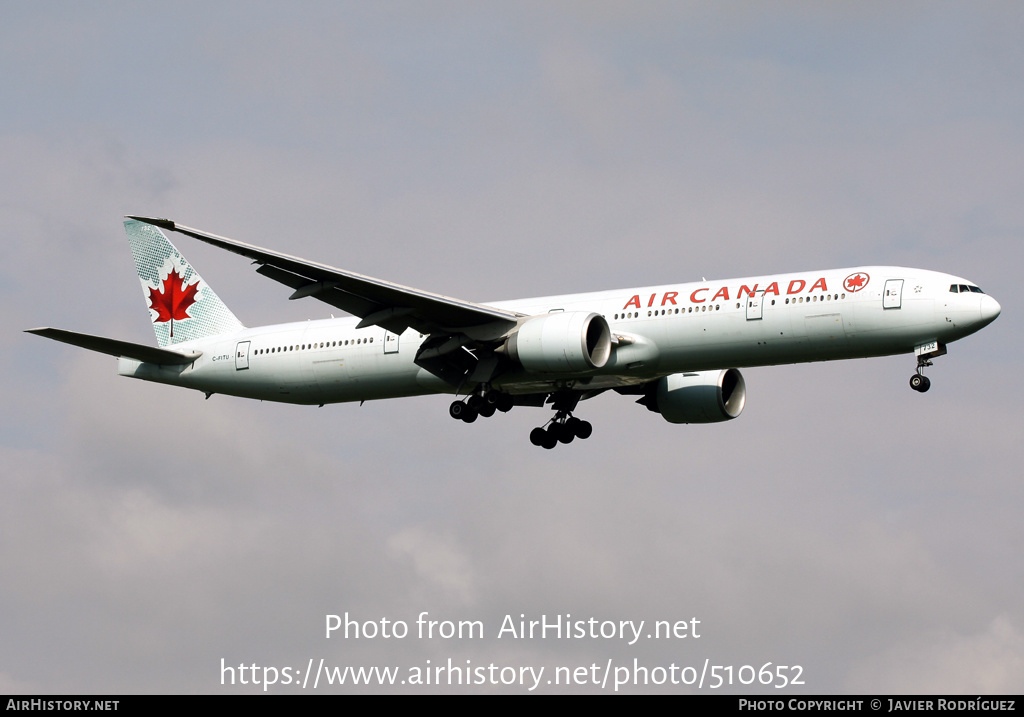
{"type": "Point", "coordinates": [701, 397]}
{"type": "Point", "coordinates": [562, 342]}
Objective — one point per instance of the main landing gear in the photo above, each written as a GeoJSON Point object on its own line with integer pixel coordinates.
{"type": "Point", "coordinates": [925, 353]}
{"type": "Point", "coordinates": [480, 405]}
{"type": "Point", "coordinates": [563, 428]}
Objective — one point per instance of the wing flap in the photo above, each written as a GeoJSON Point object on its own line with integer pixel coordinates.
{"type": "Point", "coordinates": [113, 347]}
{"type": "Point", "coordinates": [383, 303]}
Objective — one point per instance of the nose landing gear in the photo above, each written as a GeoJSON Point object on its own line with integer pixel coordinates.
{"type": "Point", "coordinates": [919, 382]}
{"type": "Point", "coordinates": [925, 352]}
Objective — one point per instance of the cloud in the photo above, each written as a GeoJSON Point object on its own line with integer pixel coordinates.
{"type": "Point", "coordinates": [437, 561]}
{"type": "Point", "coordinates": [488, 153]}
{"type": "Point", "coordinates": [948, 661]}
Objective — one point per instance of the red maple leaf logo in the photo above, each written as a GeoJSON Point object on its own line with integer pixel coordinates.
{"type": "Point", "coordinates": [856, 282]}
{"type": "Point", "coordinates": [171, 303]}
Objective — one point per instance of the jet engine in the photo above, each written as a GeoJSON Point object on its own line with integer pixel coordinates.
{"type": "Point", "coordinates": [562, 342]}
{"type": "Point", "coordinates": [699, 397]}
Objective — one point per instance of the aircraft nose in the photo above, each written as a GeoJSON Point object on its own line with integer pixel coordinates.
{"type": "Point", "coordinates": [990, 309]}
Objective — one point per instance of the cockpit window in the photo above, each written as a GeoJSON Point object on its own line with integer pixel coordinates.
{"type": "Point", "coordinates": [964, 289]}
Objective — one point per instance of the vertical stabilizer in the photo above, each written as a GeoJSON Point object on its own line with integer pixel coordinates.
{"type": "Point", "coordinates": [181, 305]}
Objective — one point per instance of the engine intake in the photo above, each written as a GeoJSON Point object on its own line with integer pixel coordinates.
{"type": "Point", "coordinates": [562, 342]}
{"type": "Point", "coordinates": [700, 397]}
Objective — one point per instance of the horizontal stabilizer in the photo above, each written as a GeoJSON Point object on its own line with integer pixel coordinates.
{"type": "Point", "coordinates": [146, 354]}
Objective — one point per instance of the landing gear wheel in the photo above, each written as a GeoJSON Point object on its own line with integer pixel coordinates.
{"type": "Point", "coordinates": [537, 436]}
{"type": "Point", "coordinates": [457, 409]}
{"type": "Point", "coordinates": [469, 415]}
{"type": "Point", "coordinates": [486, 410]}
{"type": "Point", "coordinates": [549, 440]}
{"type": "Point", "coordinates": [583, 430]}
{"type": "Point", "coordinates": [505, 402]}
{"type": "Point", "coordinates": [920, 383]}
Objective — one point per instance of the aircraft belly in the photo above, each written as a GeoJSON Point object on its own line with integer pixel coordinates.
{"type": "Point", "coordinates": [367, 375]}
{"type": "Point", "coordinates": [826, 335]}
{"type": "Point", "coordinates": [881, 332]}
{"type": "Point", "coordinates": [732, 340]}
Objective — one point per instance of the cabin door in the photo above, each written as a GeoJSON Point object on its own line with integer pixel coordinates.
{"type": "Point", "coordinates": [242, 355]}
{"type": "Point", "coordinates": [755, 306]}
{"type": "Point", "coordinates": [892, 297]}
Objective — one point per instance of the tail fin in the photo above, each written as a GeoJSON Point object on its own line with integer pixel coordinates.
{"type": "Point", "coordinates": [181, 305]}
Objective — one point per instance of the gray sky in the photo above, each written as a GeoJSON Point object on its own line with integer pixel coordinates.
{"type": "Point", "coordinates": [488, 151]}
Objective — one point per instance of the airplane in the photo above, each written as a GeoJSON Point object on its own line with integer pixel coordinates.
{"type": "Point", "coordinates": [677, 347]}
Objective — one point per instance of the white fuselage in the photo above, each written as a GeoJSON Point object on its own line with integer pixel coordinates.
{"type": "Point", "coordinates": [660, 330]}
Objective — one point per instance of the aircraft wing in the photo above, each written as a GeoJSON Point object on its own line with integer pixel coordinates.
{"type": "Point", "coordinates": [139, 352]}
{"type": "Point", "coordinates": [382, 303]}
